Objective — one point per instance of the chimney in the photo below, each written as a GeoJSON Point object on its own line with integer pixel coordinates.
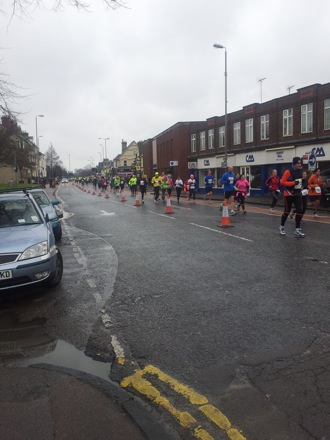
{"type": "Point", "coordinates": [123, 145]}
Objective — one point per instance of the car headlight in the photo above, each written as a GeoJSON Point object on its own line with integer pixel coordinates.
{"type": "Point", "coordinates": [37, 250]}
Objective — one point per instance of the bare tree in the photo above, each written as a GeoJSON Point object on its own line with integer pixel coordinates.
{"type": "Point", "coordinates": [53, 162]}
{"type": "Point", "coordinates": [26, 7]}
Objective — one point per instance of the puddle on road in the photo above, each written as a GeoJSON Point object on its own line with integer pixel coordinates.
{"type": "Point", "coordinates": [24, 343]}
{"type": "Point", "coordinates": [68, 356]}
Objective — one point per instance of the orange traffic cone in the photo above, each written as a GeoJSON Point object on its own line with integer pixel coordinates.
{"type": "Point", "coordinates": [89, 191]}
{"type": "Point", "coordinates": [138, 200]}
{"type": "Point", "coordinates": [123, 199]}
{"type": "Point", "coordinates": [93, 193]}
{"type": "Point", "coordinates": [99, 194]}
{"type": "Point", "coordinates": [168, 209]}
{"type": "Point", "coordinates": [225, 221]}
{"type": "Point", "coordinates": [106, 195]}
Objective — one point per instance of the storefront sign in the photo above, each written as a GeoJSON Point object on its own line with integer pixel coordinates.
{"type": "Point", "coordinates": [249, 158]}
{"type": "Point", "coordinates": [192, 165]}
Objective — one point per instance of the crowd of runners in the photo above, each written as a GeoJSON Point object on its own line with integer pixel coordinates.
{"type": "Point", "coordinates": [298, 189]}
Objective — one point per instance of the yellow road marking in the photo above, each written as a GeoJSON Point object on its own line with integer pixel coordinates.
{"type": "Point", "coordinates": [186, 420]}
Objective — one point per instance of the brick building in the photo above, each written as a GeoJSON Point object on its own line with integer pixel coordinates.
{"type": "Point", "coordinates": [260, 137]}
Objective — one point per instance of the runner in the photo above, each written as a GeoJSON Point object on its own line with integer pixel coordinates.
{"type": "Point", "coordinates": [209, 183]}
{"type": "Point", "coordinates": [292, 181]}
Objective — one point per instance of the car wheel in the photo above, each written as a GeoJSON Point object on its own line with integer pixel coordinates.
{"type": "Point", "coordinates": [58, 234]}
{"type": "Point", "coordinates": [55, 280]}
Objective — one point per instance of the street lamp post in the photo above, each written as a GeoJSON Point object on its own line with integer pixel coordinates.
{"type": "Point", "coordinates": [105, 146]}
{"type": "Point", "coordinates": [220, 46]}
{"type": "Point", "coordinates": [37, 143]}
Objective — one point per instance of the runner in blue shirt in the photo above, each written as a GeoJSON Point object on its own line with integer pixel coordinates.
{"type": "Point", "coordinates": [208, 182]}
{"type": "Point", "coordinates": [228, 182]}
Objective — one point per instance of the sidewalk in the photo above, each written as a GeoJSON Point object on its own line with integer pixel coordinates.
{"type": "Point", "coordinates": [45, 402]}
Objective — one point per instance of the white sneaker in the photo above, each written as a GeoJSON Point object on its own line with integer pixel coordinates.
{"type": "Point", "coordinates": [232, 212]}
{"type": "Point", "coordinates": [298, 232]}
{"type": "Point", "coordinates": [316, 215]}
{"type": "Point", "coordinates": [282, 230]}
{"type": "Point", "coordinates": [271, 210]}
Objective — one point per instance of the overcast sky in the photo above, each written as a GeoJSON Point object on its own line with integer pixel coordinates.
{"type": "Point", "coordinates": [132, 73]}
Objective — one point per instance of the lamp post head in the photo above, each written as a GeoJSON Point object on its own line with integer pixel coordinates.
{"type": "Point", "coordinates": [40, 116]}
{"type": "Point", "coordinates": [218, 46]}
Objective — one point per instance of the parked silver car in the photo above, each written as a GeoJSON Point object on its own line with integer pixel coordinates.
{"type": "Point", "coordinates": [49, 207]}
{"type": "Point", "coordinates": [28, 253]}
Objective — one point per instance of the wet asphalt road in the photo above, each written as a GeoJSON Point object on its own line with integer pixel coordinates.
{"type": "Point", "coordinates": [240, 314]}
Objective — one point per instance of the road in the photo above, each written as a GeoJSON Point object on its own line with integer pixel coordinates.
{"type": "Point", "coordinates": [223, 332]}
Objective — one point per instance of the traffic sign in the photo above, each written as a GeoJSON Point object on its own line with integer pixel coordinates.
{"type": "Point", "coordinates": [312, 160]}
{"type": "Point", "coordinates": [174, 163]}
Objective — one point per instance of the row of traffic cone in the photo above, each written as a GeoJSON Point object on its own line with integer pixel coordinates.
{"type": "Point", "coordinates": [225, 219]}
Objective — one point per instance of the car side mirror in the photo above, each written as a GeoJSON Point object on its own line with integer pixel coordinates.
{"type": "Point", "coordinates": [55, 202]}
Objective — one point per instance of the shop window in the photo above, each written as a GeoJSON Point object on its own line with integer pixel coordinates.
{"type": "Point", "coordinates": [255, 177]}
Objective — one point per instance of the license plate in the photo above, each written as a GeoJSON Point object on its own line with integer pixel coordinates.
{"type": "Point", "coordinates": [6, 274]}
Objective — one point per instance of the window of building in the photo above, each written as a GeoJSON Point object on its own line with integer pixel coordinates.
{"type": "Point", "coordinates": [222, 136]}
{"type": "Point", "coordinates": [288, 122]}
{"type": "Point", "coordinates": [237, 133]}
{"type": "Point", "coordinates": [307, 118]}
{"type": "Point", "coordinates": [125, 163]}
{"type": "Point", "coordinates": [255, 177]}
{"type": "Point", "coordinates": [211, 139]}
{"type": "Point", "coordinates": [193, 143]}
{"type": "Point", "coordinates": [264, 127]}
{"type": "Point", "coordinates": [327, 114]}
{"type": "Point", "coordinates": [249, 130]}
{"type": "Point", "coordinates": [202, 140]}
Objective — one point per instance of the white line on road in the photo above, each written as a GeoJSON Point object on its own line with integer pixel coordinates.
{"type": "Point", "coordinates": [117, 348]}
{"type": "Point", "coordinates": [106, 213]}
{"type": "Point", "coordinates": [163, 215]}
{"type": "Point", "coordinates": [221, 232]}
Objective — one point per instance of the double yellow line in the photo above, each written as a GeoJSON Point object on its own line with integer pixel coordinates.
{"type": "Point", "coordinates": [186, 420]}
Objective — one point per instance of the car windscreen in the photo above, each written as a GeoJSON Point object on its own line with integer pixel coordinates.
{"type": "Point", "coordinates": [18, 213]}
{"type": "Point", "coordinates": [41, 198]}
